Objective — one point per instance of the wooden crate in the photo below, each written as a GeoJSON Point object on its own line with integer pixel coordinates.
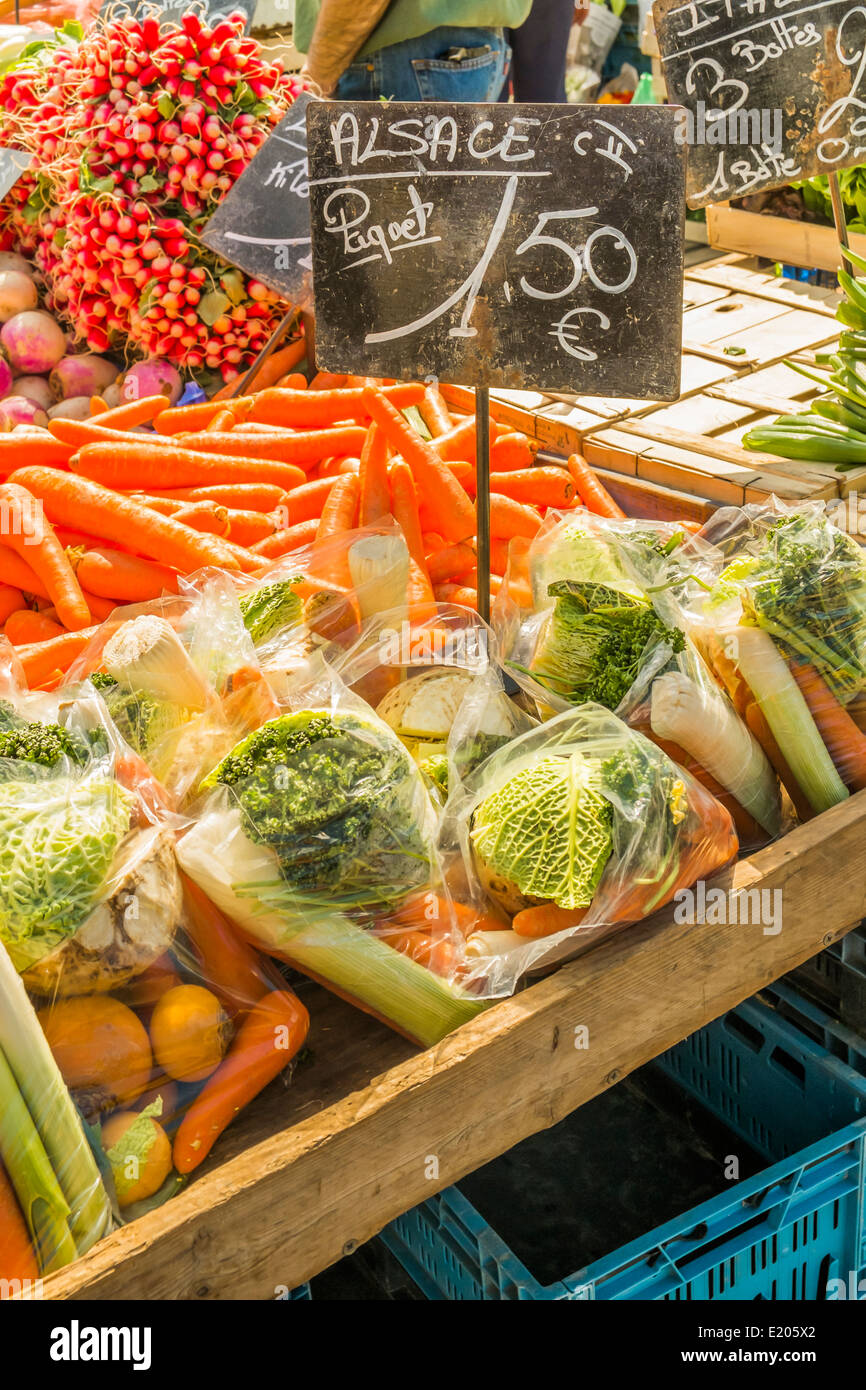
{"type": "Point", "coordinates": [806, 244]}
{"type": "Point", "coordinates": [371, 1126]}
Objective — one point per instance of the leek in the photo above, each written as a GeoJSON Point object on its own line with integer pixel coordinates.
{"type": "Point", "coordinates": [44, 1093]}
{"type": "Point", "coordinates": [700, 721]}
{"type": "Point", "coordinates": [45, 1208]}
{"type": "Point", "coordinates": [782, 705]}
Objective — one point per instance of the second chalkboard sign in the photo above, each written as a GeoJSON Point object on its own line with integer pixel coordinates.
{"type": "Point", "coordinates": [772, 90]}
{"type": "Point", "coordinates": [494, 244]}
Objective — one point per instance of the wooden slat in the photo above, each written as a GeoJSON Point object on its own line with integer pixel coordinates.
{"type": "Point", "coordinates": [297, 1200]}
{"type": "Point", "coordinates": [777, 238]}
{"type": "Point", "coordinates": [793, 293]}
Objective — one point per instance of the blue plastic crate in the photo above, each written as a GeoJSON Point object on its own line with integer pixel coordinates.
{"type": "Point", "coordinates": [782, 1234]}
{"type": "Point", "coordinates": [302, 1294]}
{"type": "Point", "coordinates": [836, 979]}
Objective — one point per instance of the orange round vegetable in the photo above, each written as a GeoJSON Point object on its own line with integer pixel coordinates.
{"type": "Point", "coordinates": [101, 1048]}
{"type": "Point", "coordinates": [190, 1033]}
{"type": "Point", "coordinates": [139, 1151]}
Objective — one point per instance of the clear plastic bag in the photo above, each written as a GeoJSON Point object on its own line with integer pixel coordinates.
{"type": "Point", "coordinates": [318, 838]}
{"type": "Point", "coordinates": [156, 1023]}
{"type": "Point", "coordinates": [607, 623]}
{"type": "Point", "coordinates": [578, 826]}
{"type": "Point", "coordinates": [784, 629]}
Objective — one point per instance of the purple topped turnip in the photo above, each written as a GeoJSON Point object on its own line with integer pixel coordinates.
{"type": "Point", "coordinates": [10, 261]}
{"type": "Point", "coordinates": [73, 408]}
{"type": "Point", "coordinates": [33, 342]}
{"type": "Point", "coordinates": [35, 388]}
{"type": "Point", "coordinates": [17, 410]}
{"type": "Point", "coordinates": [152, 378]}
{"type": "Point", "coordinates": [85, 375]}
{"type": "Point", "coordinates": [5, 378]}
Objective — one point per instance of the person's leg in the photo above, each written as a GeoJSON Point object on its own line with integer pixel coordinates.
{"type": "Point", "coordinates": [421, 69]}
{"type": "Point", "coordinates": [539, 48]}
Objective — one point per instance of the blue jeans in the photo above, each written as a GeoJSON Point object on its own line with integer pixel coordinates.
{"type": "Point", "coordinates": [418, 69]}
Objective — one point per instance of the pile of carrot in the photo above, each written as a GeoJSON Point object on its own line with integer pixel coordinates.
{"type": "Point", "coordinates": [99, 513]}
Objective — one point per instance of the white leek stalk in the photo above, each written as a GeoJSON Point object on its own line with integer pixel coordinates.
{"type": "Point", "coordinates": [43, 1090]}
{"type": "Point", "coordinates": [791, 724]}
{"type": "Point", "coordinates": [704, 724]}
{"type": "Point", "coordinates": [379, 566]}
{"type": "Point", "coordinates": [40, 1198]}
{"type": "Point", "coordinates": [146, 654]}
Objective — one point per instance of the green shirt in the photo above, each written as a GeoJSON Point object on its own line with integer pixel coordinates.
{"type": "Point", "coordinates": [408, 19]}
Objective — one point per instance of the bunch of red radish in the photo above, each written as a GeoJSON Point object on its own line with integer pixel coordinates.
{"type": "Point", "coordinates": [139, 130]}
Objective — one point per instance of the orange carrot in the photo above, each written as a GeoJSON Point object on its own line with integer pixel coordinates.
{"type": "Point", "coordinates": [27, 626]}
{"type": "Point", "coordinates": [17, 1256]}
{"type": "Point", "coordinates": [511, 451]}
{"type": "Point", "coordinates": [84, 505]}
{"type": "Point", "coordinates": [223, 422]}
{"type": "Point", "coordinates": [340, 509]}
{"type": "Point", "coordinates": [293, 381]}
{"type": "Point", "coordinates": [327, 381]}
{"type": "Point", "coordinates": [459, 442]}
{"type": "Point", "coordinates": [16, 572]}
{"type": "Point", "coordinates": [250, 497]}
{"type": "Point", "coordinates": [433, 542]}
{"type": "Point", "coordinates": [460, 594]}
{"type": "Point", "coordinates": [444, 498]}
{"type": "Point", "coordinates": [194, 417]}
{"type": "Point", "coordinates": [547, 918]}
{"type": "Point", "coordinates": [308, 500]}
{"type": "Point", "coordinates": [11, 599]}
{"type": "Point", "coordinates": [375, 494]}
{"type": "Point", "coordinates": [284, 360]}
{"type": "Point", "coordinates": [404, 505]}
{"type": "Point", "coordinates": [284, 542]}
{"type": "Point", "coordinates": [464, 472]}
{"type": "Point", "coordinates": [16, 449]}
{"type": "Point", "coordinates": [509, 518]}
{"type": "Point", "coordinates": [204, 516]}
{"type": "Point", "coordinates": [127, 465]}
{"type": "Point", "coordinates": [132, 413]}
{"type": "Point", "coordinates": [431, 912]}
{"type": "Point", "coordinates": [843, 739]}
{"type": "Point", "coordinates": [29, 534]}
{"type": "Point", "coordinates": [45, 660]}
{"type": "Point", "coordinates": [113, 574]}
{"type": "Point", "coordinates": [594, 496]}
{"type": "Point", "coordinates": [246, 527]}
{"type": "Point", "coordinates": [299, 448]}
{"type": "Point", "coordinates": [434, 412]}
{"type": "Point", "coordinates": [101, 608]}
{"type": "Point", "coordinates": [232, 969]}
{"type": "Point", "coordinates": [543, 487]}
{"type": "Point", "coordinates": [451, 562]}
{"type": "Point", "coordinates": [77, 433]}
{"type": "Point", "coordinates": [314, 409]}
{"type": "Point", "coordinates": [269, 1037]}
{"type": "Point", "coordinates": [98, 406]}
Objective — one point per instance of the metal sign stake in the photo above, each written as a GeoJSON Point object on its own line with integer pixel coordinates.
{"type": "Point", "coordinates": [839, 219]}
{"type": "Point", "coordinates": [482, 500]}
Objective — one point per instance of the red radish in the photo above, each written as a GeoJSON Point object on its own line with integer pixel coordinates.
{"type": "Point", "coordinates": [17, 294]}
{"type": "Point", "coordinates": [33, 341]}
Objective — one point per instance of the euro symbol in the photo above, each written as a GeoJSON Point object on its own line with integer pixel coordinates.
{"type": "Point", "coordinates": [565, 332]}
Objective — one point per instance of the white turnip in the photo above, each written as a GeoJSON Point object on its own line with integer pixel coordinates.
{"type": "Point", "coordinates": [152, 378]}
{"type": "Point", "coordinates": [17, 410]}
{"type": "Point", "coordinates": [17, 294]}
{"type": "Point", "coordinates": [35, 388]}
{"type": "Point", "coordinates": [85, 375]}
{"type": "Point", "coordinates": [73, 408]}
{"type": "Point", "coordinates": [10, 261]}
{"type": "Point", "coordinates": [33, 342]}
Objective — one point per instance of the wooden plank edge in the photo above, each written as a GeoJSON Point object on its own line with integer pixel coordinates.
{"type": "Point", "coordinates": [297, 1202]}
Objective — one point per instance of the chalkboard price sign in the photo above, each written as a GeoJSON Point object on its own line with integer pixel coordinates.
{"type": "Point", "coordinates": [173, 11]}
{"type": "Point", "coordinates": [495, 245]}
{"type": "Point", "coordinates": [13, 163]}
{"type": "Point", "coordinates": [263, 223]}
{"type": "Point", "coordinates": [774, 90]}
